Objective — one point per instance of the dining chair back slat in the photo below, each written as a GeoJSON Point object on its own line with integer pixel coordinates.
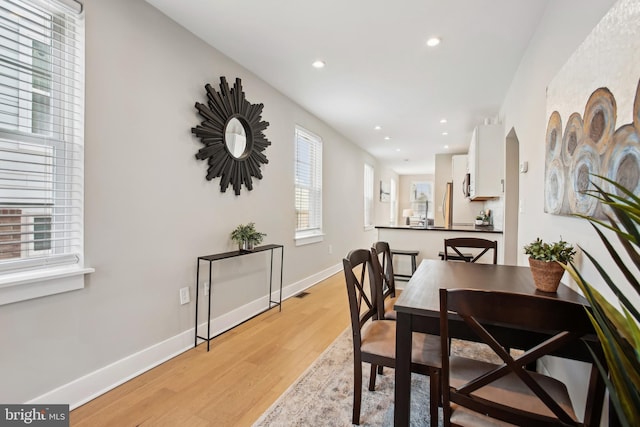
{"type": "Point", "coordinates": [374, 338]}
{"type": "Point", "coordinates": [363, 304]}
{"type": "Point", "coordinates": [386, 294]}
{"type": "Point", "coordinates": [452, 248]}
{"type": "Point", "coordinates": [539, 399]}
{"type": "Point", "coordinates": [385, 261]}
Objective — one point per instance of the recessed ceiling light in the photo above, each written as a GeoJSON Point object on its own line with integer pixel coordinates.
{"type": "Point", "coordinates": [378, 127]}
{"type": "Point", "coordinates": [318, 64]}
{"type": "Point", "coordinates": [446, 147]}
{"type": "Point", "coordinates": [445, 133]}
{"type": "Point", "coordinates": [387, 138]}
{"type": "Point", "coordinates": [398, 150]}
{"type": "Point", "coordinates": [433, 41]}
{"type": "Point", "coordinates": [443, 120]}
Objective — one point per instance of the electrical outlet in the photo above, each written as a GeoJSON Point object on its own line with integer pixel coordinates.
{"type": "Point", "coordinates": [205, 286]}
{"type": "Point", "coordinates": [330, 249]}
{"type": "Point", "coordinates": [184, 296]}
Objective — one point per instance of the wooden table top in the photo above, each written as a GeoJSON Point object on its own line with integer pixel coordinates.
{"type": "Point", "coordinates": [420, 295]}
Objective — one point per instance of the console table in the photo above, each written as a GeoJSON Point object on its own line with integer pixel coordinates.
{"type": "Point", "coordinates": [225, 255]}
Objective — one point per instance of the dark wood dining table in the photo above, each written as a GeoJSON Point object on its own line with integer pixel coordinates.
{"type": "Point", "coordinates": [418, 309]}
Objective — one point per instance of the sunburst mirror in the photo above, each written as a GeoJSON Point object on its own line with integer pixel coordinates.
{"type": "Point", "coordinates": [232, 134]}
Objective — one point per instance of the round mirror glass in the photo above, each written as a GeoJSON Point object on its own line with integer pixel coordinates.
{"type": "Point", "coordinates": [235, 138]}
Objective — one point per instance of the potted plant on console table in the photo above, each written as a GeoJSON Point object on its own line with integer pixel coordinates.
{"type": "Point", "coordinates": [546, 261]}
{"type": "Point", "coordinates": [247, 237]}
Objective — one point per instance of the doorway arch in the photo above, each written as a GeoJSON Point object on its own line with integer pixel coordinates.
{"type": "Point", "coordinates": [511, 197]}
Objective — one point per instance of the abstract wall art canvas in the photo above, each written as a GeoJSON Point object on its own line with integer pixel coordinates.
{"type": "Point", "coordinates": [593, 122]}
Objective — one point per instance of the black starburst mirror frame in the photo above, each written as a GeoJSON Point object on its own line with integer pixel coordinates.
{"type": "Point", "coordinates": [222, 107]}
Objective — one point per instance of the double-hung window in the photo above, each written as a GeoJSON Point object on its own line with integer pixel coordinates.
{"type": "Point", "coordinates": [368, 196]}
{"type": "Point", "coordinates": [308, 186]}
{"type": "Point", "coordinates": [41, 138]}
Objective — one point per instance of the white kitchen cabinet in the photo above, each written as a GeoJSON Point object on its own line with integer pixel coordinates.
{"type": "Point", "coordinates": [486, 162]}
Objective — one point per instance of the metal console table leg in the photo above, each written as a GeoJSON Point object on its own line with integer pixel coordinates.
{"type": "Point", "coordinates": [217, 257]}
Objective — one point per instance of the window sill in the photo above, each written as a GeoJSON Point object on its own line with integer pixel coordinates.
{"type": "Point", "coordinates": [309, 239]}
{"type": "Point", "coordinates": [39, 283]}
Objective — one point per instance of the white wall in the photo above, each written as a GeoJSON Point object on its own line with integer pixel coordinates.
{"type": "Point", "coordinates": [150, 212]}
{"type": "Point", "coordinates": [524, 110]}
{"type": "Point", "coordinates": [564, 25]}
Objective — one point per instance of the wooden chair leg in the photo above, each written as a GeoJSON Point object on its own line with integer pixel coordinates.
{"type": "Point", "coordinates": [372, 378]}
{"type": "Point", "coordinates": [357, 391]}
{"type": "Point", "coordinates": [434, 398]}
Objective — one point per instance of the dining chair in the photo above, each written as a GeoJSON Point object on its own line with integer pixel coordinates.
{"type": "Point", "coordinates": [374, 339]}
{"type": "Point", "coordinates": [452, 248]}
{"type": "Point", "coordinates": [478, 393]}
{"type": "Point", "coordinates": [383, 266]}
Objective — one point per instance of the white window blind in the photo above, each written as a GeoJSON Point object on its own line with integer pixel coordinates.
{"type": "Point", "coordinates": [308, 183]}
{"type": "Point", "coordinates": [368, 196]}
{"type": "Point", "coordinates": [41, 134]}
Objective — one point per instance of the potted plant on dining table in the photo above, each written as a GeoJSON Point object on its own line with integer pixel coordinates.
{"type": "Point", "coordinates": [547, 261]}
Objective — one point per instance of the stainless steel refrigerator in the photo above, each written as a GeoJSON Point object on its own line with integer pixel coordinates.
{"type": "Point", "coordinates": [446, 205]}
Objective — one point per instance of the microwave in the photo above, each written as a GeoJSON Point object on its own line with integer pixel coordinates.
{"type": "Point", "coordinates": [466, 185]}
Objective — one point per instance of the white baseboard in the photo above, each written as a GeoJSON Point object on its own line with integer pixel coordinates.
{"type": "Point", "coordinates": [92, 385]}
{"type": "Point", "coordinates": [296, 288]}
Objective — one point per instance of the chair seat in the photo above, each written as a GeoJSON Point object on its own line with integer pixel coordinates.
{"type": "Point", "coordinates": [379, 338]}
{"type": "Point", "coordinates": [508, 390]}
{"type": "Point", "coordinates": [462, 416]}
{"type": "Point", "coordinates": [389, 311]}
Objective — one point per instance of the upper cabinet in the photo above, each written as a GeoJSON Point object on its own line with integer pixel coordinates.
{"type": "Point", "coordinates": [486, 162]}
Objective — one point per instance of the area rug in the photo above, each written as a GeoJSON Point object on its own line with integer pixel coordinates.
{"type": "Point", "coordinates": [323, 394]}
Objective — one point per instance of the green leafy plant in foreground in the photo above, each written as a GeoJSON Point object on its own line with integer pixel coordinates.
{"type": "Point", "coordinates": [617, 328]}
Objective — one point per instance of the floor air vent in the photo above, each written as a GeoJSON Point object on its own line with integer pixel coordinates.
{"type": "Point", "coordinates": [302, 294]}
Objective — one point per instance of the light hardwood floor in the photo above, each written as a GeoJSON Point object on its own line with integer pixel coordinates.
{"type": "Point", "coordinates": [247, 369]}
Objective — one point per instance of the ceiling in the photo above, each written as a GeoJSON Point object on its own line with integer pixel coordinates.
{"type": "Point", "coordinates": [379, 70]}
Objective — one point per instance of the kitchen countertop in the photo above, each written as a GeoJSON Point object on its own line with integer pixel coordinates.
{"type": "Point", "coordinates": [458, 228]}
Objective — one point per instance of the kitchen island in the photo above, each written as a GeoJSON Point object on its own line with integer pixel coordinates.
{"type": "Point", "coordinates": [430, 241]}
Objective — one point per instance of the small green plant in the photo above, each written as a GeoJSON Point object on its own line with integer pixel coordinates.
{"type": "Point", "coordinates": [247, 233]}
{"type": "Point", "coordinates": [559, 251]}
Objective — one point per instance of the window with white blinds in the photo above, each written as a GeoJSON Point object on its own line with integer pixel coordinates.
{"type": "Point", "coordinates": [41, 134]}
{"type": "Point", "coordinates": [308, 186]}
{"type": "Point", "coordinates": [368, 196]}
